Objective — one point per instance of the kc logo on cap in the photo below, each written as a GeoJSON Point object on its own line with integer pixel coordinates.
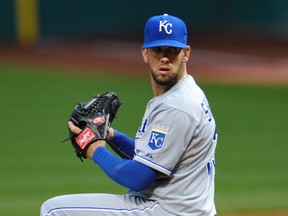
{"type": "Point", "coordinates": [166, 25]}
{"type": "Point", "coordinates": [165, 30]}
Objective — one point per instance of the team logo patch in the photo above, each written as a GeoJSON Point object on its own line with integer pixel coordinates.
{"type": "Point", "coordinates": [158, 136]}
{"type": "Point", "coordinates": [85, 137]}
{"type": "Point", "coordinates": [99, 120]}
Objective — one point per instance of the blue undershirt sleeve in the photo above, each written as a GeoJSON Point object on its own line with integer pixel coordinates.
{"type": "Point", "coordinates": [128, 173]}
{"type": "Point", "coordinates": [122, 145]}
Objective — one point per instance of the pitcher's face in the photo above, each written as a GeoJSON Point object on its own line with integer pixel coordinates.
{"type": "Point", "coordinates": [166, 64]}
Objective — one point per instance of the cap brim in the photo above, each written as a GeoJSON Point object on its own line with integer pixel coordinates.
{"type": "Point", "coordinates": [168, 43]}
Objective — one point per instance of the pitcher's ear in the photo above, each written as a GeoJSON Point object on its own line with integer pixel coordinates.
{"type": "Point", "coordinates": [145, 55]}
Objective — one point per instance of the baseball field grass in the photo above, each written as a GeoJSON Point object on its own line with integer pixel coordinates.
{"type": "Point", "coordinates": [36, 102]}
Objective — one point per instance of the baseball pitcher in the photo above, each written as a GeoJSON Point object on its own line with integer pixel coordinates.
{"type": "Point", "coordinates": [169, 166]}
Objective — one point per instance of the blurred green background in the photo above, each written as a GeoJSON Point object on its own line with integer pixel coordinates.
{"type": "Point", "coordinates": [36, 102]}
{"type": "Point", "coordinates": [126, 18]}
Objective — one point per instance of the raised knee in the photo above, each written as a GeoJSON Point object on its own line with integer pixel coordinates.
{"type": "Point", "coordinates": [47, 207]}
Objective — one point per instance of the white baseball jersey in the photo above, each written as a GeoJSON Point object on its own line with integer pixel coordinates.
{"type": "Point", "coordinates": [178, 138]}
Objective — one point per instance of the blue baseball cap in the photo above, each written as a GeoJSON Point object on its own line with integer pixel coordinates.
{"type": "Point", "coordinates": [165, 30]}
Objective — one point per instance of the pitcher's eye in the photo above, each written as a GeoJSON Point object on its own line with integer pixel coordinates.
{"type": "Point", "coordinates": [156, 49]}
{"type": "Point", "coordinates": [175, 50]}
